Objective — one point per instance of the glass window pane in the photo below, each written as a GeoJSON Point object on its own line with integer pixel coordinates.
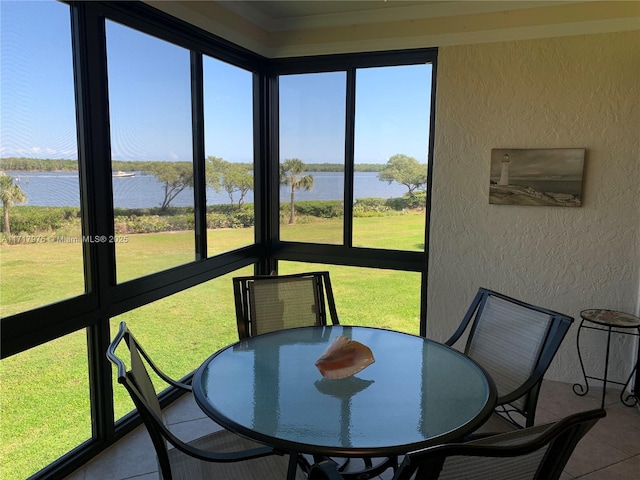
{"type": "Point", "coordinates": [44, 404]}
{"type": "Point", "coordinates": [151, 144]}
{"type": "Point", "coordinates": [370, 297]}
{"type": "Point", "coordinates": [41, 246]}
{"type": "Point", "coordinates": [312, 143]}
{"type": "Point", "coordinates": [228, 121]}
{"type": "Point", "coordinates": [391, 147]}
{"type": "Point", "coordinates": [179, 332]}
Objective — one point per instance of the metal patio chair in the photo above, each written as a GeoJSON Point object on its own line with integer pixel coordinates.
{"type": "Point", "coordinates": [266, 303]}
{"type": "Point", "coordinates": [515, 343]}
{"type": "Point", "coordinates": [221, 454]}
{"type": "Point", "coordinates": [534, 453]}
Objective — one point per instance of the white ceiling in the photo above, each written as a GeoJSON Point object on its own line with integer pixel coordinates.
{"type": "Point", "coordinates": [299, 14]}
{"type": "Point", "coordinates": [311, 27]}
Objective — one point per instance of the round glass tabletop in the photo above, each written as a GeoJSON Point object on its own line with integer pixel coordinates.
{"type": "Point", "coordinates": [416, 393]}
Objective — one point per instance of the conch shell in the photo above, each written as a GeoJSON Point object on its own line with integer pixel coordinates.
{"type": "Point", "coordinates": [343, 358]}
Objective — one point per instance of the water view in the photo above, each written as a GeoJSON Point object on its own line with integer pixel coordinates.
{"type": "Point", "coordinates": [61, 189]}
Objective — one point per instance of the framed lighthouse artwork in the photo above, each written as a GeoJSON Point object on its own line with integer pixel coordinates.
{"type": "Point", "coordinates": [543, 177]}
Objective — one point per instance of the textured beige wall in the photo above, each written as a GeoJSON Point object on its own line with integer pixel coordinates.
{"type": "Point", "coordinates": [579, 92]}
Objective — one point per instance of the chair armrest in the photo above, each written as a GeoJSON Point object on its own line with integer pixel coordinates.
{"type": "Point", "coordinates": [180, 385]}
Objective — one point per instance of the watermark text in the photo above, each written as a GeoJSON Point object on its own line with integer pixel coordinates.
{"type": "Point", "coordinates": [32, 239]}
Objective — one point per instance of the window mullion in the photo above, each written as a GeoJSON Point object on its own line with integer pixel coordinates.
{"type": "Point", "coordinates": [350, 116]}
{"type": "Point", "coordinates": [96, 199]}
{"type": "Point", "coordinates": [199, 176]}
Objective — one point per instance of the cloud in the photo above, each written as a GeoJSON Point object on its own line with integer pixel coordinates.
{"type": "Point", "coordinates": [39, 152]}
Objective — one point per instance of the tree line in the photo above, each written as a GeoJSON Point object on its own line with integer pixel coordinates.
{"type": "Point", "coordinates": [26, 164]}
{"type": "Point", "coordinates": [236, 179]}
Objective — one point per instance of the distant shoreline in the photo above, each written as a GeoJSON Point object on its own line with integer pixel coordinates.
{"type": "Point", "coordinates": [24, 164]}
{"type": "Point", "coordinates": [145, 190]}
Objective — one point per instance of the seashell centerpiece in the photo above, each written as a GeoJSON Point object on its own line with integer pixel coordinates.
{"type": "Point", "coordinates": [343, 358]}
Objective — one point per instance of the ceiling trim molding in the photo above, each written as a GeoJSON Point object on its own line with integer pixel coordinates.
{"type": "Point", "coordinates": [533, 20]}
{"type": "Point", "coordinates": [386, 12]}
{"type": "Point", "coordinates": [452, 39]}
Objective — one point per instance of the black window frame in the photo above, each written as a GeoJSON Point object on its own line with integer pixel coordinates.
{"type": "Point", "coordinates": [346, 253]}
{"type": "Point", "coordinates": [104, 297]}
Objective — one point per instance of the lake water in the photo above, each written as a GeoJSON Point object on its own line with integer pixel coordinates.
{"type": "Point", "coordinates": [58, 189]}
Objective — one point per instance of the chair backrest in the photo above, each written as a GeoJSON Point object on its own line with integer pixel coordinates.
{"type": "Point", "coordinates": [267, 303]}
{"type": "Point", "coordinates": [138, 383]}
{"type": "Point", "coordinates": [534, 453]}
{"type": "Point", "coordinates": [515, 343]}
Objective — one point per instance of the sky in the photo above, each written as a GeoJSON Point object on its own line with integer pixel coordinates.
{"type": "Point", "coordinates": [545, 163]}
{"type": "Point", "coordinates": [149, 95]}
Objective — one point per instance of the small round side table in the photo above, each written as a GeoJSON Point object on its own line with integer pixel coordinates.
{"type": "Point", "coordinates": [609, 321]}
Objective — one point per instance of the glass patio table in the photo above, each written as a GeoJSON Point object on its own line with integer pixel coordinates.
{"type": "Point", "coordinates": [416, 394]}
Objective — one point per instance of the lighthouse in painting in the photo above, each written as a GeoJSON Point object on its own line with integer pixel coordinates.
{"type": "Point", "coordinates": [504, 175]}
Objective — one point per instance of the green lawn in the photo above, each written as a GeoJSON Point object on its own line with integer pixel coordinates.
{"type": "Point", "coordinates": [44, 396]}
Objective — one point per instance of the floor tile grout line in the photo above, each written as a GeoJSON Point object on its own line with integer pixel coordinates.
{"type": "Point", "coordinates": [609, 444]}
{"type": "Point", "coordinates": [557, 399]}
{"type": "Point", "coordinates": [604, 468]}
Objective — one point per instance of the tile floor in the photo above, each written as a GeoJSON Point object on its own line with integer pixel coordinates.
{"type": "Point", "coordinates": [610, 451]}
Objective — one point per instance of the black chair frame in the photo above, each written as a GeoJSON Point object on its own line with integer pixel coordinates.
{"type": "Point", "coordinates": [530, 389]}
{"type": "Point", "coordinates": [427, 464]}
{"type": "Point", "coordinates": [323, 292]}
{"type": "Point", "coordinates": [157, 430]}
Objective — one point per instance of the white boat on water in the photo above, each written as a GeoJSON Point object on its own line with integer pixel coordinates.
{"type": "Point", "coordinates": [120, 174]}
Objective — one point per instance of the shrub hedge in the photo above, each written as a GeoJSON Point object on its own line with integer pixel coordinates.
{"type": "Point", "coordinates": [417, 201]}
{"type": "Point", "coordinates": [315, 208]}
{"type": "Point", "coordinates": [29, 220]}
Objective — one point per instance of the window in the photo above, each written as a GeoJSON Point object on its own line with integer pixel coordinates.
{"type": "Point", "coordinates": [44, 405]}
{"type": "Point", "coordinates": [371, 297]}
{"type": "Point", "coordinates": [373, 239]}
{"type": "Point", "coordinates": [228, 125]}
{"type": "Point", "coordinates": [312, 119]}
{"type": "Point", "coordinates": [391, 148]}
{"type": "Point", "coordinates": [151, 144]}
{"type": "Point", "coordinates": [41, 255]}
{"type": "Point", "coordinates": [137, 118]}
{"type": "Point", "coordinates": [359, 135]}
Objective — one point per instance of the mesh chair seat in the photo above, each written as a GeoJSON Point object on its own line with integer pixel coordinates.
{"type": "Point", "coordinates": [516, 467]}
{"type": "Point", "coordinates": [185, 467]}
{"type": "Point", "coordinates": [534, 453]}
{"type": "Point", "coordinates": [515, 343]}
{"type": "Point", "coordinates": [507, 342]}
{"type": "Point", "coordinates": [267, 303]}
{"type": "Point", "coordinates": [282, 303]}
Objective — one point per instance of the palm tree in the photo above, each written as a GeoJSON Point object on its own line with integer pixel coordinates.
{"type": "Point", "coordinates": [291, 174]}
{"type": "Point", "coordinates": [10, 193]}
